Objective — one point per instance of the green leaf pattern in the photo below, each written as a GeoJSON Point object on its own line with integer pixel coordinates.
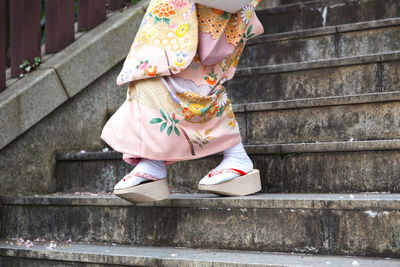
{"type": "Point", "coordinates": [249, 33]}
{"type": "Point", "coordinates": [166, 120]}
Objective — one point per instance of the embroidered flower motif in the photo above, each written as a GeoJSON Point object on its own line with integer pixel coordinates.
{"type": "Point", "coordinates": [196, 109]}
{"type": "Point", "coordinates": [180, 59]}
{"type": "Point", "coordinates": [202, 139]}
{"type": "Point", "coordinates": [153, 33]}
{"type": "Point", "coordinates": [213, 110]}
{"type": "Point", "coordinates": [179, 3]}
{"type": "Point", "coordinates": [246, 13]}
{"type": "Point", "coordinates": [182, 30]}
{"type": "Point", "coordinates": [144, 38]}
{"type": "Point", "coordinates": [211, 78]}
{"type": "Point", "coordinates": [188, 14]}
{"type": "Point", "coordinates": [229, 112]}
{"type": "Point", "coordinates": [162, 12]}
{"type": "Point", "coordinates": [232, 123]}
{"type": "Point", "coordinates": [142, 65]}
{"type": "Point", "coordinates": [222, 99]}
{"type": "Point", "coordinates": [151, 70]}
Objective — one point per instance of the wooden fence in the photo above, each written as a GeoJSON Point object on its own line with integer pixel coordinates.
{"type": "Point", "coordinates": [20, 28]}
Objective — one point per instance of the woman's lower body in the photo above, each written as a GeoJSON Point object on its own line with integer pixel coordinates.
{"type": "Point", "coordinates": [159, 124]}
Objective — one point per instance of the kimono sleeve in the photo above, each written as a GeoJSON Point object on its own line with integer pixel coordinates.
{"type": "Point", "coordinates": [221, 34]}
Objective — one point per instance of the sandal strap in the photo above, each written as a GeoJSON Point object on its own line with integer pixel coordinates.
{"type": "Point", "coordinates": [226, 170]}
{"type": "Point", "coordinates": [141, 175]}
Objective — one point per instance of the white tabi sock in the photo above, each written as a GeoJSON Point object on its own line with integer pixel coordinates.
{"type": "Point", "coordinates": [154, 168]}
{"type": "Point", "coordinates": [234, 157]}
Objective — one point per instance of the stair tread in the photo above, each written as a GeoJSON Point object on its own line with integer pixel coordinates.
{"type": "Point", "coordinates": [353, 201]}
{"type": "Point", "coordinates": [351, 145]}
{"type": "Point", "coordinates": [134, 255]}
{"type": "Point", "coordinates": [328, 30]}
{"type": "Point", "coordinates": [301, 4]}
{"type": "Point", "coordinates": [318, 64]}
{"type": "Point", "coordinates": [322, 101]}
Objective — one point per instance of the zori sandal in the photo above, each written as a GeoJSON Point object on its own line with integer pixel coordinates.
{"type": "Point", "coordinates": [245, 184]}
{"type": "Point", "coordinates": [154, 189]}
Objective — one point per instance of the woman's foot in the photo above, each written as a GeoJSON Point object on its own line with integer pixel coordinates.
{"type": "Point", "coordinates": [234, 176]}
{"type": "Point", "coordinates": [145, 183]}
{"type": "Point", "coordinates": [236, 163]}
{"type": "Point", "coordinates": [145, 171]}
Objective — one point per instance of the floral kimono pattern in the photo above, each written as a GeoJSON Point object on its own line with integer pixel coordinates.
{"type": "Point", "coordinates": [176, 106]}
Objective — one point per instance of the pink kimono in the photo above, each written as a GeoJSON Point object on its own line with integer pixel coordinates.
{"type": "Point", "coordinates": [176, 107]}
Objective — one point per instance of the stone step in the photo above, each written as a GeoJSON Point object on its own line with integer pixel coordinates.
{"type": "Point", "coordinates": [322, 123]}
{"type": "Point", "coordinates": [325, 13]}
{"type": "Point", "coordinates": [343, 224]}
{"type": "Point", "coordinates": [357, 166]}
{"type": "Point", "coordinates": [319, 78]}
{"type": "Point", "coordinates": [356, 39]}
{"type": "Point", "coordinates": [80, 254]}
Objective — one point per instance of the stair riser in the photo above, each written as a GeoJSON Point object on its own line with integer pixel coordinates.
{"type": "Point", "coordinates": [278, 3]}
{"type": "Point", "coordinates": [329, 172]}
{"type": "Point", "coordinates": [324, 172]}
{"type": "Point", "coordinates": [322, 47]}
{"type": "Point", "coordinates": [312, 15]}
{"type": "Point", "coordinates": [89, 176]}
{"type": "Point", "coordinates": [287, 230]}
{"type": "Point", "coordinates": [333, 81]}
{"type": "Point", "coordinates": [102, 175]}
{"type": "Point", "coordinates": [374, 121]}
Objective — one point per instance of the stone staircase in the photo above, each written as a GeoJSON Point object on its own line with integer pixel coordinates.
{"type": "Point", "coordinates": [318, 101]}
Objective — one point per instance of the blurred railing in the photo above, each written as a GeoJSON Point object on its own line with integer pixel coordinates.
{"type": "Point", "coordinates": [21, 32]}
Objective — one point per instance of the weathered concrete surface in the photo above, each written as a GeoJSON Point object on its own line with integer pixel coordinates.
{"type": "Point", "coordinates": [90, 175]}
{"type": "Point", "coordinates": [121, 255]}
{"type": "Point", "coordinates": [326, 13]}
{"type": "Point", "coordinates": [335, 201]}
{"type": "Point", "coordinates": [305, 84]}
{"type": "Point", "coordinates": [75, 125]}
{"type": "Point", "coordinates": [324, 224]}
{"type": "Point", "coordinates": [336, 44]}
{"type": "Point", "coordinates": [27, 101]}
{"type": "Point", "coordinates": [31, 259]}
{"type": "Point", "coordinates": [272, 83]}
{"type": "Point", "coordinates": [372, 121]}
{"type": "Point", "coordinates": [105, 169]}
{"type": "Point", "coordinates": [391, 76]}
{"type": "Point", "coordinates": [318, 167]}
{"type": "Point", "coordinates": [279, 3]}
{"type": "Point", "coordinates": [362, 171]}
{"type": "Point", "coordinates": [326, 101]}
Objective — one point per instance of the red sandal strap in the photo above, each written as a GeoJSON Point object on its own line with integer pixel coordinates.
{"type": "Point", "coordinates": [231, 170]}
{"type": "Point", "coordinates": [239, 171]}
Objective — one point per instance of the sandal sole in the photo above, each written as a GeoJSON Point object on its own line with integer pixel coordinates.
{"type": "Point", "coordinates": [148, 192]}
{"type": "Point", "coordinates": [241, 186]}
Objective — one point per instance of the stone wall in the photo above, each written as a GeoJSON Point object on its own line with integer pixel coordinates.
{"type": "Point", "coordinates": [27, 163]}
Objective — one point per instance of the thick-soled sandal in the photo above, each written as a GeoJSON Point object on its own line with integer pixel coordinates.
{"type": "Point", "coordinates": [149, 191]}
{"type": "Point", "coordinates": [246, 184]}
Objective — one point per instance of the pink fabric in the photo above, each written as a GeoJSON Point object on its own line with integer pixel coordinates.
{"type": "Point", "coordinates": [213, 51]}
{"type": "Point", "coordinates": [124, 133]}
